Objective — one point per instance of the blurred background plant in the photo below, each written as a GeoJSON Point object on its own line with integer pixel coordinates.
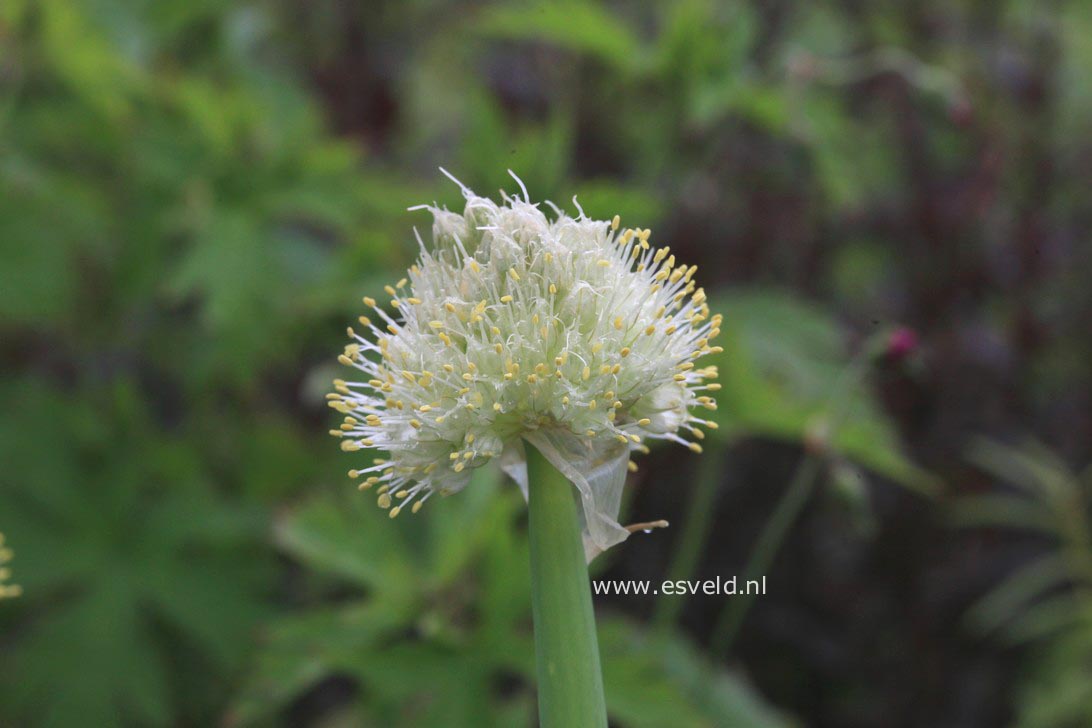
{"type": "Point", "coordinates": [1046, 603]}
{"type": "Point", "coordinates": [194, 196]}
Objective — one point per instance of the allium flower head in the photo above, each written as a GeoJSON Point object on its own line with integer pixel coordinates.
{"type": "Point", "coordinates": [570, 333]}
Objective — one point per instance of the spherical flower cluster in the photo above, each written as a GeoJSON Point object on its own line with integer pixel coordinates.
{"type": "Point", "coordinates": [569, 333]}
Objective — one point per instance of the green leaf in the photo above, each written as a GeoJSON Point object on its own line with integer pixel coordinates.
{"type": "Point", "coordinates": [1030, 467]}
{"type": "Point", "coordinates": [300, 651]}
{"type": "Point", "coordinates": [1007, 600]}
{"type": "Point", "coordinates": [1007, 511]}
{"type": "Point", "coordinates": [784, 371]}
{"type": "Point", "coordinates": [576, 25]}
{"type": "Point", "coordinates": [347, 536]}
{"type": "Point", "coordinates": [1053, 616]}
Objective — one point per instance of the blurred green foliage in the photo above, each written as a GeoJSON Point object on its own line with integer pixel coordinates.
{"type": "Point", "coordinates": [173, 219]}
{"type": "Point", "coordinates": [1046, 602]}
{"type": "Point", "coordinates": [186, 226]}
{"type": "Point", "coordinates": [443, 635]}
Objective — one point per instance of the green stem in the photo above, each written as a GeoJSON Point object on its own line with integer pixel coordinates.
{"type": "Point", "coordinates": [570, 682]}
{"type": "Point", "coordinates": [769, 542]}
{"type": "Point", "coordinates": [696, 527]}
{"type": "Point", "coordinates": [796, 496]}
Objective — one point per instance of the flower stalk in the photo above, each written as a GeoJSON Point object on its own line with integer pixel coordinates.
{"type": "Point", "coordinates": [570, 681]}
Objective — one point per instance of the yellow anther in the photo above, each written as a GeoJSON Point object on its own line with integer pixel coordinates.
{"type": "Point", "coordinates": [650, 331]}
{"type": "Point", "coordinates": [624, 352]}
{"type": "Point", "coordinates": [395, 511]}
{"type": "Point", "coordinates": [436, 324]}
{"type": "Point", "coordinates": [615, 222]}
{"type": "Point", "coordinates": [390, 290]}
{"type": "Point", "coordinates": [417, 506]}
{"type": "Point", "coordinates": [474, 266]}
{"type": "Point", "coordinates": [384, 500]}
{"type": "Point", "coordinates": [369, 301]}
{"type": "Point", "coordinates": [512, 272]}
{"type": "Point", "coordinates": [586, 374]}
{"type": "Point", "coordinates": [505, 299]}
{"type": "Point", "coordinates": [602, 263]}
{"type": "Point", "coordinates": [618, 323]}
{"type": "Point", "coordinates": [695, 447]}
{"type": "Point", "coordinates": [644, 422]}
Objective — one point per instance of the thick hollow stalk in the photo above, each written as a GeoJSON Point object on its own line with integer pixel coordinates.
{"type": "Point", "coordinates": [570, 682]}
